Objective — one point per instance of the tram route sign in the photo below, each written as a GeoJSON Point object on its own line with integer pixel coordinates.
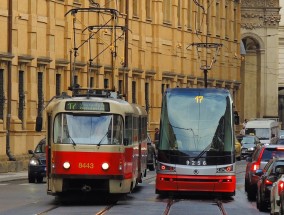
{"type": "Point", "coordinates": [87, 106]}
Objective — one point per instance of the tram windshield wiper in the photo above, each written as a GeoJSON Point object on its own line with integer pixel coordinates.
{"type": "Point", "coordinates": [202, 152]}
{"type": "Point", "coordinates": [103, 138]}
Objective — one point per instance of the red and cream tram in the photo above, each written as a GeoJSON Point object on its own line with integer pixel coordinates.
{"type": "Point", "coordinates": [196, 147]}
{"type": "Point", "coordinates": [94, 143]}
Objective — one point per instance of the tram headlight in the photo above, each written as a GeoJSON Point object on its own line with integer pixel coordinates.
{"type": "Point", "coordinates": [225, 169]}
{"type": "Point", "coordinates": [105, 166]}
{"type": "Point", "coordinates": [66, 165]}
{"type": "Point", "coordinates": [164, 167]}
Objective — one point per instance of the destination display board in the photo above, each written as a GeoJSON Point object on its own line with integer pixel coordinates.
{"type": "Point", "coordinates": [87, 106]}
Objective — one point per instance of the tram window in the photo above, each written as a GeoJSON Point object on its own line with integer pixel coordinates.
{"type": "Point", "coordinates": [128, 129]}
{"type": "Point", "coordinates": [88, 129]}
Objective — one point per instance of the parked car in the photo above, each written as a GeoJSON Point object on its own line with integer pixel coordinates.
{"type": "Point", "coordinates": [249, 143]}
{"type": "Point", "coordinates": [238, 147]}
{"type": "Point", "coordinates": [37, 163]}
{"type": "Point", "coordinates": [277, 196]}
{"type": "Point", "coordinates": [258, 160]}
{"type": "Point", "coordinates": [281, 134]}
{"type": "Point", "coordinates": [280, 141]}
{"type": "Point", "coordinates": [268, 175]}
{"type": "Point", "coordinates": [151, 156]}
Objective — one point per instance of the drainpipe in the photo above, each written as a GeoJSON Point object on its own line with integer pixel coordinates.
{"type": "Point", "coordinates": [9, 102]}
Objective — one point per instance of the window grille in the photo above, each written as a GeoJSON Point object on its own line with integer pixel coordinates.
{"type": "Point", "coordinates": [58, 84]}
{"type": "Point", "coordinates": [2, 96]}
{"type": "Point", "coordinates": [133, 92]}
{"type": "Point", "coordinates": [21, 95]}
{"type": "Point", "coordinates": [40, 93]}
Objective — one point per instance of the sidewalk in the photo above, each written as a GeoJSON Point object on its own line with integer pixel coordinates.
{"type": "Point", "coordinates": [11, 176]}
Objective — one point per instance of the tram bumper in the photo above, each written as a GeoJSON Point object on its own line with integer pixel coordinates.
{"type": "Point", "coordinates": [190, 183]}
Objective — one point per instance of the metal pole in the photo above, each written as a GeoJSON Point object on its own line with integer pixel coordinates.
{"type": "Point", "coordinates": [125, 75]}
{"type": "Point", "coordinates": [205, 77]}
{"type": "Point", "coordinates": [9, 102]}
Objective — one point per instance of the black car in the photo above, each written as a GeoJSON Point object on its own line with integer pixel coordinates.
{"type": "Point", "coordinates": [151, 156]}
{"type": "Point", "coordinates": [37, 163]}
{"type": "Point", "coordinates": [268, 175]}
{"type": "Point", "coordinates": [249, 144]}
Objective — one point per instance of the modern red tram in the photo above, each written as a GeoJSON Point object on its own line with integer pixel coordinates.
{"type": "Point", "coordinates": [196, 146]}
{"type": "Point", "coordinates": [95, 142]}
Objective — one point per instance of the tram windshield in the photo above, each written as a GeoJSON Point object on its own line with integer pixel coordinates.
{"type": "Point", "coordinates": [99, 129]}
{"type": "Point", "coordinates": [197, 123]}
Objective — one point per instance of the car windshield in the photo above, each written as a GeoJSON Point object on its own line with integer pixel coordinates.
{"type": "Point", "coordinates": [271, 153]}
{"type": "Point", "coordinates": [248, 140]}
{"type": "Point", "coordinates": [280, 141]}
{"type": "Point", "coordinates": [40, 147]}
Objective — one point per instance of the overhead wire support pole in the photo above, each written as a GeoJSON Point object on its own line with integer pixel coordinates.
{"type": "Point", "coordinates": [74, 11]}
{"type": "Point", "coordinates": [206, 45]}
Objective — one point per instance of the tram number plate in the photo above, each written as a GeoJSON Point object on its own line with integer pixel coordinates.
{"type": "Point", "coordinates": [199, 162]}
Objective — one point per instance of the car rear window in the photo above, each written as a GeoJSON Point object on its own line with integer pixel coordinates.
{"type": "Point", "coordinates": [272, 152]}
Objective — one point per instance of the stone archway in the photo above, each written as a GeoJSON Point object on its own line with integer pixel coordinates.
{"type": "Point", "coordinates": [251, 77]}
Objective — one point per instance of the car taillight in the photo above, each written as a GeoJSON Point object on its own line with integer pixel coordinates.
{"type": "Point", "coordinates": [280, 187]}
{"type": "Point", "coordinates": [267, 182]}
{"type": "Point", "coordinates": [254, 166]}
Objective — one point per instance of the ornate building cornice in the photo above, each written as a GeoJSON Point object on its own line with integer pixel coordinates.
{"type": "Point", "coordinates": [260, 14]}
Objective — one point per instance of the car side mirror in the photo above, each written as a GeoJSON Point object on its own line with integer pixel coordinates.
{"type": "Point", "coordinates": [259, 172]}
{"type": "Point", "coordinates": [30, 151]}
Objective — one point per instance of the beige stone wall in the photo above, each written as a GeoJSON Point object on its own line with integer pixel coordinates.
{"type": "Point", "coordinates": [159, 54]}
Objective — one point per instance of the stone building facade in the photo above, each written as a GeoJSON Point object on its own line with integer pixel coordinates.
{"type": "Point", "coordinates": [259, 70]}
{"type": "Point", "coordinates": [39, 39]}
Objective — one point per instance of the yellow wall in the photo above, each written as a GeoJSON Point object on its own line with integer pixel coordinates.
{"type": "Point", "coordinates": [159, 53]}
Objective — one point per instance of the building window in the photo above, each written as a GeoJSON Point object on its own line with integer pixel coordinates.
{"type": "Point", "coordinates": [147, 99]}
{"type": "Point", "coordinates": [167, 10]}
{"type": "Point", "coordinates": [235, 24]}
{"type": "Point", "coordinates": [75, 79]}
{"type": "Point", "coordinates": [92, 82]}
{"type": "Point", "coordinates": [135, 8]}
{"type": "Point", "coordinates": [21, 95]}
{"type": "Point", "coordinates": [133, 92]}
{"type": "Point", "coordinates": [189, 14]}
{"type": "Point", "coordinates": [227, 21]}
{"type": "Point", "coordinates": [217, 21]}
{"type": "Point", "coordinates": [122, 6]}
{"type": "Point", "coordinates": [148, 9]}
{"type": "Point", "coordinates": [106, 83]}
{"type": "Point", "coordinates": [40, 93]}
{"type": "Point", "coordinates": [163, 88]}
{"type": "Point", "coordinates": [179, 13]}
{"type": "Point", "coordinates": [120, 86]}
{"type": "Point", "coordinates": [2, 96]}
{"type": "Point", "coordinates": [58, 84]}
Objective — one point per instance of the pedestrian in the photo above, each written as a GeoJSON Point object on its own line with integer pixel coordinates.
{"type": "Point", "coordinates": [157, 137]}
{"type": "Point", "coordinates": [273, 139]}
{"type": "Point", "coordinates": [245, 123]}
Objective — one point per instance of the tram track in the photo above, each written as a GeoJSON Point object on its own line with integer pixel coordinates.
{"type": "Point", "coordinates": [172, 201]}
